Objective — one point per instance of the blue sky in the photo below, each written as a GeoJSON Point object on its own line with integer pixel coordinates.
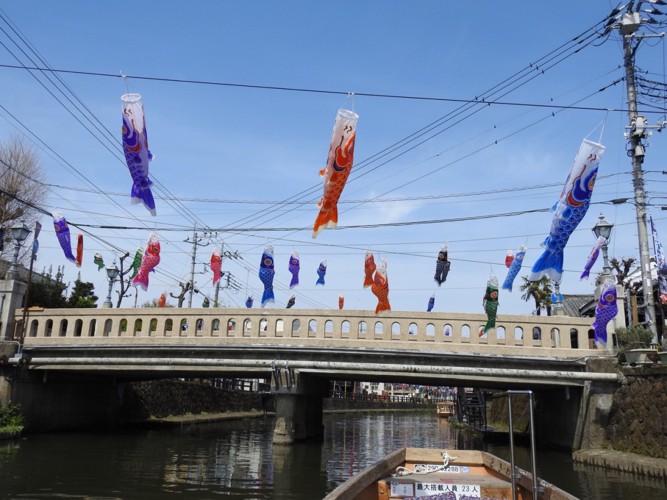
{"type": "Point", "coordinates": [257, 147]}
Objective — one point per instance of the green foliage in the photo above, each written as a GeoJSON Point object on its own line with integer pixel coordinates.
{"type": "Point", "coordinates": [82, 294]}
{"type": "Point", "coordinates": [11, 418]}
{"type": "Point", "coordinates": [635, 337]}
{"type": "Point", "coordinates": [48, 291]}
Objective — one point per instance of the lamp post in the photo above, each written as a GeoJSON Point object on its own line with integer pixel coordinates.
{"type": "Point", "coordinates": [603, 229]}
{"type": "Point", "coordinates": [19, 233]}
{"type": "Point", "coordinates": [112, 274]}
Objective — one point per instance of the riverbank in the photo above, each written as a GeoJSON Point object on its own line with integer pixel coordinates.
{"type": "Point", "coordinates": [623, 461]}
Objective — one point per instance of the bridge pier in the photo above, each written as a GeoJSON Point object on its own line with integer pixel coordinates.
{"type": "Point", "coordinates": [299, 401]}
{"type": "Point", "coordinates": [56, 401]}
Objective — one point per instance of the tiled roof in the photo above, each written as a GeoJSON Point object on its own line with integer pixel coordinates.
{"type": "Point", "coordinates": [573, 305]}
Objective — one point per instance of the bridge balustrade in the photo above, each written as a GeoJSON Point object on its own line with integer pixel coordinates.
{"type": "Point", "coordinates": [543, 335]}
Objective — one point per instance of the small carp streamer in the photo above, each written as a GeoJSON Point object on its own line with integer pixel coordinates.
{"type": "Point", "coordinates": [64, 238]}
{"type": "Point", "coordinates": [135, 147]}
{"type": "Point", "coordinates": [150, 259]}
{"type": "Point", "coordinates": [380, 287]}
{"type": "Point", "coordinates": [515, 267]}
{"type": "Point", "coordinates": [248, 302]}
{"type": "Point", "coordinates": [136, 263]}
{"type": "Point", "coordinates": [321, 272]}
{"type": "Point", "coordinates": [442, 266]}
{"type": "Point", "coordinates": [266, 274]}
{"type": "Point", "coordinates": [216, 264]}
{"type": "Point", "coordinates": [291, 302]}
{"type": "Point", "coordinates": [98, 260]}
{"type": "Point", "coordinates": [162, 300]}
{"type": "Point", "coordinates": [595, 252]}
{"type": "Point", "coordinates": [490, 304]}
{"type": "Point", "coordinates": [431, 303]}
{"type": "Point", "coordinates": [294, 267]}
{"type": "Point", "coordinates": [341, 301]}
{"type": "Point", "coordinates": [79, 249]}
{"type": "Point", "coordinates": [337, 170]}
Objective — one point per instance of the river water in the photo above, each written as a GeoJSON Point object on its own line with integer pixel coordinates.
{"type": "Point", "coordinates": [237, 460]}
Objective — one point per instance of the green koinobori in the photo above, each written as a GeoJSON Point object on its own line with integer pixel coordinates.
{"type": "Point", "coordinates": [490, 303]}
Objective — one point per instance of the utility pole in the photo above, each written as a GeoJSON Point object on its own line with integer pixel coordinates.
{"type": "Point", "coordinates": [196, 241]}
{"type": "Point", "coordinates": [630, 23]}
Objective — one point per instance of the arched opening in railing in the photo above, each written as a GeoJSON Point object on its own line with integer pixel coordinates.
{"type": "Point", "coordinates": [537, 333]}
{"type": "Point", "coordinates": [312, 328]}
{"type": "Point", "coordinates": [78, 326]}
{"type": "Point", "coordinates": [49, 328]}
{"type": "Point", "coordinates": [91, 327]}
{"type": "Point", "coordinates": [379, 329]}
{"type": "Point", "coordinates": [247, 327]}
{"type": "Point", "coordinates": [447, 331]}
{"type": "Point", "coordinates": [328, 329]}
{"type": "Point", "coordinates": [555, 337]}
{"type": "Point", "coordinates": [345, 329]}
{"type": "Point", "coordinates": [430, 331]}
{"type": "Point", "coordinates": [122, 327]}
{"type": "Point", "coordinates": [63, 328]}
{"type": "Point", "coordinates": [263, 326]}
{"type": "Point", "coordinates": [395, 330]}
{"type": "Point", "coordinates": [152, 329]}
{"type": "Point", "coordinates": [413, 330]}
{"type": "Point", "coordinates": [465, 333]}
{"type": "Point", "coordinates": [574, 338]}
{"type": "Point", "coordinates": [362, 329]}
{"type": "Point", "coordinates": [591, 339]}
{"type": "Point", "coordinates": [108, 325]}
{"type": "Point", "coordinates": [215, 326]}
{"type": "Point", "coordinates": [184, 327]}
{"type": "Point", "coordinates": [518, 333]}
{"type": "Point", "coordinates": [33, 328]}
{"type": "Point", "coordinates": [501, 333]}
{"type": "Point", "coordinates": [199, 326]}
{"type": "Point", "coordinates": [168, 326]}
{"type": "Point", "coordinates": [138, 325]}
{"type": "Point", "coordinates": [296, 327]}
{"type": "Point", "coordinates": [280, 327]}
{"type": "Point", "coordinates": [231, 327]}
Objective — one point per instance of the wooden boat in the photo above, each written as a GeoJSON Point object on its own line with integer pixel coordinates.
{"type": "Point", "coordinates": [446, 409]}
{"type": "Point", "coordinates": [444, 475]}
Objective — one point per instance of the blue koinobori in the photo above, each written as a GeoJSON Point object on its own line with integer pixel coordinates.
{"type": "Point", "coordinates": [569, 210]}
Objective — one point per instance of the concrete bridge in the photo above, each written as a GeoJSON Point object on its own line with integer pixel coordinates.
{"type": "Point", "coordinates": [81, 357]}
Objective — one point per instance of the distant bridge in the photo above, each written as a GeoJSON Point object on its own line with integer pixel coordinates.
{"type": "Point", "coordinates": [301, 350]}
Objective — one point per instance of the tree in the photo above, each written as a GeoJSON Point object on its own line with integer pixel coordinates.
{"type": "Point", "coordinates": [82, 294]}
{"type": "Point", "coordinates": [540, 291]}
{"type": "Point", "coordinates": [48, 291]}
{"type": "Point", "coordinates": [22, 182]}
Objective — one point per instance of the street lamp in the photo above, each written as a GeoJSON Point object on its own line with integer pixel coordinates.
{"type": "Point", "coordinates": [603, 228]}
{"type": "Point", "coordinates": [19, 233]}
{"type": "Point", "coordinates": [112, 274]}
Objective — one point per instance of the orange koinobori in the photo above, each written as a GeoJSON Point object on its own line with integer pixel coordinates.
{"type": "Point", "coordinates": [337, 170]}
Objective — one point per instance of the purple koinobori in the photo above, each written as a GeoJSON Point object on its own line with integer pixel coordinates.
{"type": "Point", "coordinates": [321, 272]}
{"type": "Point", "coordinates": [605, 311]}
{"type": "Point", "coordinates": [293, 268]}
{"type": "Point", "coordinates": [135, 147]}
{"type": "Point", "coordinates": [593, 257]}
{"type": "Point", "coordinates": [62, 232]}
{"type": "Point", "coordinates": [569, 210]}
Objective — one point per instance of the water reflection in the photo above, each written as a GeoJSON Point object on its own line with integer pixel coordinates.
{"type": "Point", "coordinates": [238, 460]}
